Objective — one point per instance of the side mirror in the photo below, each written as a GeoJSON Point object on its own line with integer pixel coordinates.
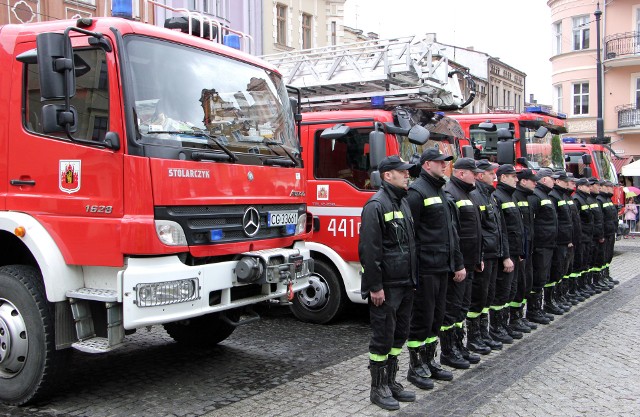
{"type": "Point", "coordinates": [56, 66]}
{"type": "Point", "coordinates": [55, 118]}
{"type": "Point", "coordinates": [417, 168]}
{"type": "Point", "coordinates": [541, 132]}
{"type": "Point", "coordinates": [587, 172]}
{"type": "Point", "coordinates": [377, 147]}
{"type": "Point", "coordinates": [506, 152]}
{"type": "Point", "coordinates": [418, 135]}
{"type": "Point", "coordinates": [487, 126]}
{"type": "Point", "coordinates": [467, 151]}
{"type": "Point", "coordinates": [522, 161]}
{"type": "Point", "coordinates": [375, 179]}
{"type": "Point", "coordinates": [335, 132]}
{"type": "Point", "coordinates": [295, 108]}
{"type": "Point", "coordinates": [504, 134]}
{"type": "Point", "coordinates": [586, 159]}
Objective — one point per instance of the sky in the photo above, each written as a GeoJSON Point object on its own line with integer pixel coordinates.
{"type": "Point", "coordinates": [516, 31]}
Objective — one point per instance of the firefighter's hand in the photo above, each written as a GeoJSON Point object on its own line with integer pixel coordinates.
{"type": "Point", "coordinates": [460, 275]}
{"type": "Point", "coordinates": [508, 265]}
{"type": "Point", "coordinates": [601, 240]}
{"type": "Point", "coordinates": [570, 245]}
{"type": "Point", "coordinates": [377, 297]}
{"type": "Point", "coordinates": [480, 268]}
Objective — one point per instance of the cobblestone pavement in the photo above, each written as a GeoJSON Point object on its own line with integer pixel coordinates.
{"type": "Point", "coordinates": [585, 363]}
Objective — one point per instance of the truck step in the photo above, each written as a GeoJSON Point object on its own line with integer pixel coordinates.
{"type": "Point", "coordinates": [94, 345]}
{"type": "Point", "coordinates": [94, 294]}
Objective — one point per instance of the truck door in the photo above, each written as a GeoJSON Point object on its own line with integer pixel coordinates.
{"type": "Point", "coordinates": [75, 190]}
{"type": "Point", "coordinates": [339, 187]}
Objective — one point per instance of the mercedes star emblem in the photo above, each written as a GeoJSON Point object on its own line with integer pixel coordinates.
{"type": "Point", "coordinates": [251, 221]}
{"type": "Point", "coordinates": [250, 176]}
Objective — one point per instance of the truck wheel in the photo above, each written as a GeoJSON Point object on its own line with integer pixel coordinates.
{"type": "Point", "coordinates": [324, 300]}
{"type": "Point", "coordinates": [203, 331]}
{"type": "Point", "coordinates": [29, 360]}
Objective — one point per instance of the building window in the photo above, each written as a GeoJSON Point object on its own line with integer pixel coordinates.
{"type": "Point", "coordinates": [581, 99]}
{"type": "Point", "coordinates": [557, 92]}
{"type": "Point", "coordinates": [306, 30]}
{"type": "Point", "coordinates": [580, 33]}
{"type": "Point", "coordinates": [637, 93]}
{"type": "Point", "coordinates": [281, 24]}
{"type": "Point", "coordinates": [334, 33]}
{"type": "Point", "coordinates": [557, 38]}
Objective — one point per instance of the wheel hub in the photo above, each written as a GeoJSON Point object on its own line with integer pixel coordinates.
{"type": "Point", "coordinates": [316, 295]}
{"type": "Point", "coordinates": [14, 344]}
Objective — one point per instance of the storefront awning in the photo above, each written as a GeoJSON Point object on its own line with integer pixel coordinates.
{"type": "Point", "coordinates": [618, 163]}
{"type": "Point", "coordinates": [631, 170]}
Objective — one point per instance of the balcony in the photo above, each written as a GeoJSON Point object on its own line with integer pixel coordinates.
{"type": "Point", "coordinates": [628, 119]}
{"type": "Point", "coordinates": [622, 49]}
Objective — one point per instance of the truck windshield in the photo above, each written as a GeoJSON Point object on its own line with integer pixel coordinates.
{"type": "Point", "coordinates": [539, 152]}
{"type": "Point", "coordinates": [184, 97]}
{"type": "Point", "coordinates": [445, 144]}
{"type": "Point", "coordinates": [605, 166]}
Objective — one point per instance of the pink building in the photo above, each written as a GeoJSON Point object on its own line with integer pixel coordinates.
{"type": "Point", "coordinates": [574, 69]}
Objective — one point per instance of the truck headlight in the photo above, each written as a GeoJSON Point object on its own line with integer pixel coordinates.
{"type": "Point", "coordinates": [302, 224]}
{"type": "Point", "coordinates": [170, 233]}
{"type": "Point", "coordinates": [168, 292]}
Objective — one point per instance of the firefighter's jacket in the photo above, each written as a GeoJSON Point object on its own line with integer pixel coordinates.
{"type": "Point", "coordinates": [387, 247]}
{"type": "Point", "coordinates": [436, 235]}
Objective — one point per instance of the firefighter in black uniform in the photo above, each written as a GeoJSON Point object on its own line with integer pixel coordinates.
{"type": "Point", "coordinates": [493, 245]}
{"type": "Point", "coordinates": [611, 216]}
{"type": "Point", "coordinates": [597, 244]}
{"type": "Point", "coordinates": [513, 255]}
{"type": "Point", "coordinates": [454, 353]}
{"type": "Point", "coordinates": [544, 242]}
{"type": "Point", "coordinates": [524, 190]}
{"type": "Point", "coordinates": [439, 260]}
{"type": "Point", "coordinates": [609, 226]}
{"type": "Point", "coordinates": [573, 269]}
{"type": "Point", "coordinates": [582, 256]}
{"type": "Point", "coordinates": [564, 241]}
{"type": "Point", "coordinates": [389, 270]}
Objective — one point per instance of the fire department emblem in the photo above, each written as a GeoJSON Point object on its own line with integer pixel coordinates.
{"type": "Point", "coordinates": [70, 176]}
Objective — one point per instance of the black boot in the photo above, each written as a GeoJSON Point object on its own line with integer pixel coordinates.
{"type": "Point", "coordinates": [524, 320]}
{"type": "Point", "coordinates": [584, 285]}
{"type": "Point", "coordinates": [450, 355]}
{"type": "Point", "coordinates": [397, 390]}
{"type": "Point", "coordinates": [594, 288]}
{"type": "Point", "coordinates": [380, 391]}
{"type": "Point", "coordinates": [428, 356]}
{"type": "Point", "coordinates": [471, 357]}
{"type": "Point", "coordinates": [549, 305]}
{"type": "Point", "coordinates": [496, 328]}
{"type": "Point", "coordinates": [563, 291]}
{"type": "Point", "coordinates": [534, 309]}
{"type": "Point", "coordinates": [418, 373]}
{"type": "Point", "coordinates": [504, 319]}
{"type": "Point", "coordinates": [474, 337]}
{"type": "Point", "coordinates": [610, 278]}
{"type": "Point", "coordinates": [574, 289]}
{"type": "Point", "coordinates": [571, 295]}
{"type": "Point", "coordinates": [486, 335]}
{"type": "Point", "coordinates": [515, 320]}
{"type": "Point", "coordinates": [599, 279]}
{"type": "Point", "coordinates": [557, 298]}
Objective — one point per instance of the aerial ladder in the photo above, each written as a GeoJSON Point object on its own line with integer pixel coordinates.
{"type": "Point", "coordinates": [411, 72]}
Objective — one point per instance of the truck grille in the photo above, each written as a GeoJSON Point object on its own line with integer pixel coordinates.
{"type": "Point", "coordinates": [198, 222]}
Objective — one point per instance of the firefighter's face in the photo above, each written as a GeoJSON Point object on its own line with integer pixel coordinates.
{"type": "Point", "coordinates": [399, 178]}
{"type": "Point", "coordinates": [509, 179]}
{"type": "Point", "coordinates": [488, 177]}
{"type": "Point", "coordinates": [465, 175]}
{"type": "Point", "coordinates": [528, 184]}
{"type": "Point", "coordinates": [436, 168]}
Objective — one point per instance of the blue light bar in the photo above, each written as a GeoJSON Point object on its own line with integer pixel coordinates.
{"type": "Point", "coordinates": [377, 102]}
{"type": "Point", "coordinates": [216, 234]}
{"type": "Point", "coordinates": [569, 140]}
{"type": "Point", "coordinates": [122, 8]}
{"type": "Point", "coordinates": [290, 229]}
{"type": "Point", "coordinates": [545, 111]}
{"type": "Point", "coordinates": [232, 40]}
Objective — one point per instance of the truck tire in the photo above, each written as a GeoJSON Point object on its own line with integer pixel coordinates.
{"type": "Point", "coordinates": [203, 331]}
{"type": "Point", "coordinates": [324, 300]}
{"type": "Point", "coordinates": [29, 361]}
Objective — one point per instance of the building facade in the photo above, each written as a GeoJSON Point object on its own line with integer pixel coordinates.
{"type": "Point", "coordinates": [574, 75]}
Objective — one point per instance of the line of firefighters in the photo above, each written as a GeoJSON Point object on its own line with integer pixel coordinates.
{"type": "Point", "coordinates": [444, 260]}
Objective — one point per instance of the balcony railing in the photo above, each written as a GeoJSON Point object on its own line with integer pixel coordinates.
{"type": "Point", "coordinates": [621, 44]}
{"type": "Point", "coordinates": [628, 115]}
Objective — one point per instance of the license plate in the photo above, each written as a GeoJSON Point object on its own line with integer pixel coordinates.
{"type": "Point", "coordinates": [281, 218]}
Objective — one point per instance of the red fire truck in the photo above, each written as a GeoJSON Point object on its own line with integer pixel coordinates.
{"type": "Point", "coordinates": [364, 101]}
{"type": "Point", "coordinates": [148, 177]}
{"type": "Point", "coordinates": [508, 138]}
{"type": "Point", "coordinates": [592, 159]}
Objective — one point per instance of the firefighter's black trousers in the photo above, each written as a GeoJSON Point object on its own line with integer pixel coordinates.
{"type": "Point", "coordinates": [390, 321]}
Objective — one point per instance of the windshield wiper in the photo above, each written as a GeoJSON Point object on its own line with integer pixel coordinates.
{"type": "Point", "coordinates": [274, 161]}
{"type": "Point", "coordinates": [210, 138]}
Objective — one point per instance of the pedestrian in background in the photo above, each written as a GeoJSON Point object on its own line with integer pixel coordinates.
{"type": "Point", "coordinates": [630, 213]}
{"type": "Point", "coordinates": [388, 257]}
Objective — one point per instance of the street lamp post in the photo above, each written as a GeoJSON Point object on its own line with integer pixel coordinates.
{"type": "Point", "coordinates": [599, 120]}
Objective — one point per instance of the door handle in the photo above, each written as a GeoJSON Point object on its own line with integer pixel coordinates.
{"type": "Point", "coordinates": [22, 182]}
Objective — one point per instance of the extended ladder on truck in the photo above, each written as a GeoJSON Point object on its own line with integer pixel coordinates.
{"type": "Point", "coordinates": [409, 71]}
